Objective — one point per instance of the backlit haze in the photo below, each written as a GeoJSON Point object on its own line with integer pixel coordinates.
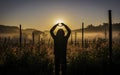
{"type": "Point", "coordinates": [43, 14]}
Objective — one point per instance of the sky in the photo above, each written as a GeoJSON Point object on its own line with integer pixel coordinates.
{"type": "Point", "coordinates": [43, 14]}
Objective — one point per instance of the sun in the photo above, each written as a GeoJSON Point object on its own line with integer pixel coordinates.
{"type": "Point", "coordinates": [59, 21]}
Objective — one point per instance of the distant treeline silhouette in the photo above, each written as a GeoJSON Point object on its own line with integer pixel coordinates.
{"type": "Point", "coordinates": [99, 28]}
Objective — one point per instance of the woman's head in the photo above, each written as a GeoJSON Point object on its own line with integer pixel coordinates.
{"type": "Point", "coordinates": [60, 33]}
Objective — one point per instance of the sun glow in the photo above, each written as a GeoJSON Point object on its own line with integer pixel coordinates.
{"type": "Point", "coordinates": [59, 21]}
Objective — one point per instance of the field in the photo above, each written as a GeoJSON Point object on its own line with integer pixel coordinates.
{"type": "Point", "coordinates": [35, 56]}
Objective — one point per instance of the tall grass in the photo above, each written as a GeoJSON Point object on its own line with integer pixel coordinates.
{"type": "Point", "coordinates": [38, 59]}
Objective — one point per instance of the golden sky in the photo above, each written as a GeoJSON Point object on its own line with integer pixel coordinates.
{"type": "Point", "coordinates": [43, 14]}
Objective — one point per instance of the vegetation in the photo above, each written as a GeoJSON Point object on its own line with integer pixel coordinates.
{"type": "Point", "coordinates": [38, 58]}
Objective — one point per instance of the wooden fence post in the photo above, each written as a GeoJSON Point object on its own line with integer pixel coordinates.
{"type": "Point", "coordinates": [71, 39]}
{"type": "Point", "coordinates": [110, 35]}
{"type": "Point", "coordinates": [82, 35]}
{"type": "Point", "coordinates": [33, 38]}
{"type": "Point", "coordinates": [20, 38]}
{"type": "Point", "coordinates": [75, 38]}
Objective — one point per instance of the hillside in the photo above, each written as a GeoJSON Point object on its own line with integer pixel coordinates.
{"type": "Point", "coordinates": [8, 29]}
{"type": "Point", "coordinates": [100, 28]}
{"type": "Point", "coordinates": [14, 29]}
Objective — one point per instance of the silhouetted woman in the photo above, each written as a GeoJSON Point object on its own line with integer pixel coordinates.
{"type": "Point", "coordinates": [60, 47]}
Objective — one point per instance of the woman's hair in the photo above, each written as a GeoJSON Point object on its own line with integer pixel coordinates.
{"type": "Point", "coordinates": [60, 33]}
